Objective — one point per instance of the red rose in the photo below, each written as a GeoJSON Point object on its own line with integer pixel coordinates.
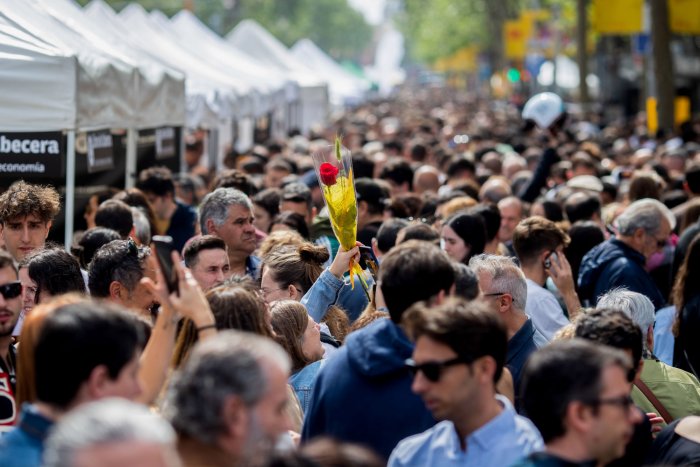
{"type": "Point", "coordinates": [328, 173]}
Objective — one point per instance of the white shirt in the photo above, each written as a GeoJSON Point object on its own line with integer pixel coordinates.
{"type": "Point", "coordinates": [544, 310]}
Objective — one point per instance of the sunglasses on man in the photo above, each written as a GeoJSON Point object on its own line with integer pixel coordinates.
{"type": "Point", "coordinates": [11, 290]}
{"type": "Point", "coordinates": [433, 370]}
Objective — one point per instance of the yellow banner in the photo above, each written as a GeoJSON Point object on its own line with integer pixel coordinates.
{"type": "Point", "coordinates": [515, 35]}
{"type": "Point", "coordinates": [617, 17]}
{"type": "Point", "coordinates": [652, 116]}
{"type": "Point", "coordinates": [681, 109]}
{"type": "Point", "coordinates": [684, 16]}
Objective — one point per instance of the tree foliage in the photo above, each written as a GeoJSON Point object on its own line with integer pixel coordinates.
{"type": "Point", "coordinates": [332, 24]}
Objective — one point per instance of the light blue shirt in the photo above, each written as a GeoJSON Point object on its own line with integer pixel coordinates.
{"type": "Point", "coordinates": [504, 440]}
{"type": "Point", "coordinates": [663, 334]}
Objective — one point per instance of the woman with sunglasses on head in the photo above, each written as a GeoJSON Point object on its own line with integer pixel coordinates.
{"type": "Point", "coordinates": [300, 336]}
{"type": "Point", "coordinates": [296, 273]}
{"type": "Point", "coordinates": [463, 236]}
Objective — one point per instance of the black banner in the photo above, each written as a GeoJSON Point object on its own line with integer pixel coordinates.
{"type": "Point", "coordinates": [100, 151]}
{"type": "Point", "coordinates": [32, 154]}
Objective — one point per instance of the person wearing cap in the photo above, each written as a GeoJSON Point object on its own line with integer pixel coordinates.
{"type": "Point", "coordinates": [643, 229]}
{"type": "Point", "coordinates": [371, 198]}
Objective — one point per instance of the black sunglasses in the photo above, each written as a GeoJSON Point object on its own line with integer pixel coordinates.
{"type": "Point", "coordinates": [11, 290]}
{"type": "Point", "coordinates": [433, 370]}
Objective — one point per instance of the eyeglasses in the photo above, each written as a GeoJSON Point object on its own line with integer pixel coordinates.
{"type": "Point", "coordinates": [624, 402]}
{"type": "Point", "coordinates": [494, 294]}
{"type": "Point", "coordinates": [433, 370]}
{"type": "Point", "coordinates": [11, 290]}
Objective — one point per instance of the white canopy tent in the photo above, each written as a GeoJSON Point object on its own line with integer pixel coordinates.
{"type": "Point", "coordinates": [251, 38]}
{"type": "Point", "coordinates": [344, 87]}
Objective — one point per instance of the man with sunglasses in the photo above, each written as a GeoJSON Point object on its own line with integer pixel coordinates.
{"type": "Point", "coordinates": [10, 308]}
{"type": "Point", "coordinates": [643, 229]}
{"type": "Point", "coordinates": [578, 395]}
{"type": "Point", "coordinates": [458, 358]}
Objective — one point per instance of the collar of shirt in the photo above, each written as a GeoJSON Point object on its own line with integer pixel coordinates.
{"type": "Point", "coordinates": [33, 423]}
{"type": "Point", "coordinates": [488, 434]}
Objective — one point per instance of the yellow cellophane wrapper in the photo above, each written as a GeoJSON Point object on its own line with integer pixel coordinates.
{"type": "Point", "coordinates": [342, 210]}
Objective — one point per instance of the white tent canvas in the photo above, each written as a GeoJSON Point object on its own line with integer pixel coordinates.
{"type": "Point", "coordinates": [251, 38]}
{"type": "Point", "coordinates": [344, 87]}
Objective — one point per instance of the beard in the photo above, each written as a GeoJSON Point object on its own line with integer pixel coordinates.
{"type": "Point", "coordinates": [259, 446]}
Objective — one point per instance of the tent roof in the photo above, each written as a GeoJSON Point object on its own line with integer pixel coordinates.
{"type": "Point", "coordinates": [251, 38]}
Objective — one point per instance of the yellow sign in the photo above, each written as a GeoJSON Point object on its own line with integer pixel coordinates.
{"type": "Point", "coordinates": [684, 16]}
{"type": "Point", "coordinates": [681, 110]}
{"type": "Point", "coordinates": [617, 17]}
{"type": "Point", "coordinates": [515, 35]}
{"type": "Point", "coordinates": [652, 116]}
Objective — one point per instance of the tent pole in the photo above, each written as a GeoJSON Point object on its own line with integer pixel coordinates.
{"type": "Point", "coordinates": [70, 190]}
{"type": "Point", "coordinates": [130, 176]}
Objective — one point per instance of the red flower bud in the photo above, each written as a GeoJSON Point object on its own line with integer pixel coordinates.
{"type": "Point", "coordinates": [328, 173]}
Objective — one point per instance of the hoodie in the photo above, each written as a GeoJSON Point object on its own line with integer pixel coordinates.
{"type": "Point", "coordinates": [363, 394]}
{"type": "Point", "coordinates": [614, 264]}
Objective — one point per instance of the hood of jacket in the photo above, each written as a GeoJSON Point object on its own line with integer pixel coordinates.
{"type": "Point", "coordinates": [379, 350]}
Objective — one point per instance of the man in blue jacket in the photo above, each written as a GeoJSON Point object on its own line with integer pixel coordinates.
{"type": "Point", "coordinates": [642, 230]}
{"type": "Point", "coordinates": [363, 395]}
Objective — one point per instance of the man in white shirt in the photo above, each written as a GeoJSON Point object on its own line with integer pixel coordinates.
{"type": "Point", "coordinates": [539, 244]}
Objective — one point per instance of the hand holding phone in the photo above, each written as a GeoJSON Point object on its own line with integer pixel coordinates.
{"type": "Point", "coordinates": [164, 247]}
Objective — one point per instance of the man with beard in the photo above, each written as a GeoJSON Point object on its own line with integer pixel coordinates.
{"type": "Point", "coordinates": [227, 403]}
{"type": "Point", "coordinates": [228, 214]}
{"type": "Point", "coordinates": [10, 308]}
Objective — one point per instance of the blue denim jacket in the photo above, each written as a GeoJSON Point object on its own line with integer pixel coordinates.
{"type": "Point", "coordinates": [24, 446]}
{"type": "Point", "coordinates": [303, 382]}
{"type": "Point", "coordinates": [329, 290]}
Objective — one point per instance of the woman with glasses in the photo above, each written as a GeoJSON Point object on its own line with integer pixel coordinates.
{"type": "Point", "coordinates": [300, 336]}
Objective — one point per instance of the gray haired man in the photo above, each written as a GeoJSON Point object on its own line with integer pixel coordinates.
{"type": "Point", "coordinates": [227, 403]}
{"type": "Point", "coordinates": [642, 230]}
{"type": "Point", "coordinates": [676, 390]}
{"type": "Point", "coordinates": [111, 433]}
{"type": "Point", "coordinates": [228, 214]}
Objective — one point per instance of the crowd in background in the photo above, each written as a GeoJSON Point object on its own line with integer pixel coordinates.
{"type": "Point", "coordinates": [535, 301]}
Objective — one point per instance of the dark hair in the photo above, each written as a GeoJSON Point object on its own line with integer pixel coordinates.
{"type": "Point", "coordinates": [118, 260]}
{"type": "Point", "coordinates": [398, 171]}
{"type": "Point", "coordinates": [470, 329]}
{"type": "Point", "coordinates": [233, 178]}
{"type": "Point", "coordinates": [293, 220]}
{"type": "Point", "coordinates": [412, 272]}
{"type": "Point", "coordinates": [135, 198]}
{"type": "Point", "coordinates": [534, 235]}
{"type": "Point", "coordinates": [204, 242]}
{"type": "Point", "coordinates": [471, 229]}
{"type": "Point", "coordinates": [420, 231]}
{"type": "Point", "coordinates": [91, 241]}
{"type": "Point", "coordinates": [55, 271]}
{"type": "Point", "coordinates": [362, 166]}
{"type": "Point", "coordinates": [387, 233]}
{"type": "Point", "coordinates": [297, 266]}
{"type": "Point", "coordinates": [612, 328]}
{"type": "Point", "coordinates": [561, 373]}
{"type": "Point", "coordinates": [692, 178]}
{"type": "Point", "coordinates": [76, 339]}
{"type": "Point", "coordinates": [23, 199]}
{"type": "Point", "coordinates": [459, 164]}
{"type": "Point", "coordinates": [156, 180]}
{"type": "Point", "coordinates": [269, 200]}
{"type": "Point", "coordinates": [233, 307]}
{"type": "Point", "coordinates": [491, 217]}
{"type": "Point", "coordinates": [466, 281]}
{"type": "Point", "coordinates": [687, 279]}
{"type": "Point", "coordinates": [115, 215]}
{"type": "Point", "coordinates": [584, 236]}
{"type": "Point", "coordinates": [552, 210]}
{"type": "Point", "coordinates": [643, 186]}
{"type": "Point", "coordinates": [582, 207]}
{"type": "Point", "coordinates": [289, 321]}
{"type": "Point", "coordinates": [405, 205]}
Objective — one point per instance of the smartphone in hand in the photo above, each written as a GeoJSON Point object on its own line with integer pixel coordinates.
{"type": "Point", "coordinates": [164, 247]}
{"type": "Point", "coordinates": [368, 260]}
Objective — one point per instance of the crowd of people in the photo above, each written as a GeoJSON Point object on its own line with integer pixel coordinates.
{"type": "Point", "coordinates": [534, 302]}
